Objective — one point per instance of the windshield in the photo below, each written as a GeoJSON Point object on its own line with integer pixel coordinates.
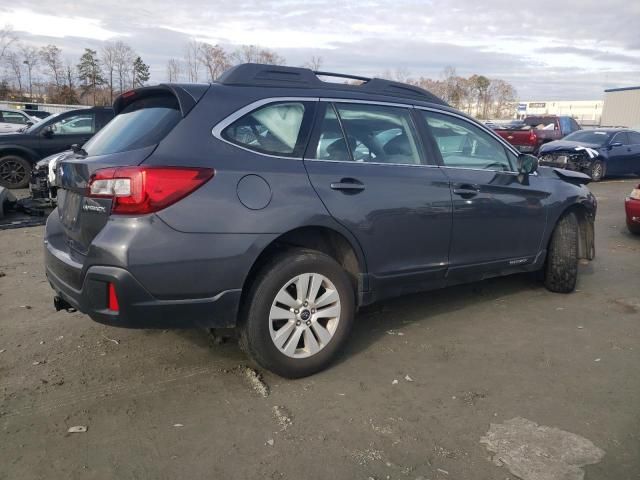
{"type": "Point", "coordinates": [596, 137]}
{"type": "Point", "coordinates": [142, 123]}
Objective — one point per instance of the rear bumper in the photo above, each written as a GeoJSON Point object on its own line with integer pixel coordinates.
{"type": "Point", "coordinates": [137, 307]}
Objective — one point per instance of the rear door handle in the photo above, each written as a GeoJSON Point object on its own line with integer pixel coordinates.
{"type": "Point", "coordinates": [466, 190]}
{"type": "Point", "coordinates": [349, 184]}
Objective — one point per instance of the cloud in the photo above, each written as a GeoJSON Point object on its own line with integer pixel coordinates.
{"type": "Point", "coordinates": [546, 49]}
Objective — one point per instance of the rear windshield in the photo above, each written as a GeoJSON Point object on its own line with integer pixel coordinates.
{"type": "Point", "coordinates": [546, 123]}
{"type": "Point", "coordinates": [589, 136]}
{"type": "Point", "coordinates": [144, 122]}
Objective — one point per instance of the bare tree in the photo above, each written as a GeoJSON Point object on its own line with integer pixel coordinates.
{"type": "Point", "coordinates": [214, 59]}
{"type": "Point", "coordinates": [124, 59]}
{"type": "Point", "coordinates": [108, 56]}
{"type": "Point", "coordinates": [51, 57]}
{"type": "Point", "coordinates": [7, 37]}
{"type": "Point", "coordinates": [192, 60]}
{"type": "Point", "coordinates": [255, 54]}
{"type": "Point", "coordinates": [30, 58]}
{"type": "Point", "coordinates": [174, 70]}
{"type": "Point", "coordinates": [315, 63]}
{"type": "Point", "coordinates": [14, 61]}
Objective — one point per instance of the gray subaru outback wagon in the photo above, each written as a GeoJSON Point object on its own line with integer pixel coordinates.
{"type": "Point", "coordinates": [279, 203]}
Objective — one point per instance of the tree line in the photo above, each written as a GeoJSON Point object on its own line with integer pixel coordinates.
{"type": "Point", "coordinates": [44, 74]}
{"type": "Point", "coordinates": [99, 76]}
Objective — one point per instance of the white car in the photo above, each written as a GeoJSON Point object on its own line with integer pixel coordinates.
{"type": "Point", "coordinates": [12, 121]}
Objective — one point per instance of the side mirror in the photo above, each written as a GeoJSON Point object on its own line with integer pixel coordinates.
{"type": "Point", "coordinates": [527, 164]}
{"type": "Point", "coordinates": [47, 131]}
{"type": "Point", "coordinates": [615, 144]}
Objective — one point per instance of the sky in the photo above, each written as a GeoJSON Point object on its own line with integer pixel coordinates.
{"type": "Point", "coordinates": [547, 49]}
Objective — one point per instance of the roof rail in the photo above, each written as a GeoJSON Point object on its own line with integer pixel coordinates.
{"type": "Point", "coordinates": [260, 75]}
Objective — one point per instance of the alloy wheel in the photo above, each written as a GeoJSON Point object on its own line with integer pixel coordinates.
{"type": "Point", "coordinates": [304, 315]}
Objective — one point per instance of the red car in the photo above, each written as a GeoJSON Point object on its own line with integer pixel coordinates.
{"type": "Point", "coordinates": [632, 207]}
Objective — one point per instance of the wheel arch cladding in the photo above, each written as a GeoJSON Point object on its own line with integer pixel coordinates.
{"type": "Point", "coordinates": [320, 238]}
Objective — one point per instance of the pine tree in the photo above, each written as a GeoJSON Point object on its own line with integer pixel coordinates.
{"type": "Point", "coordinates": [89, 73]}
{"type": "Point", "coordinates": [140, 73]}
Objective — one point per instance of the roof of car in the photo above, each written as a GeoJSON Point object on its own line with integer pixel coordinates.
{"type": "Point", "coordinates": [261, 75]}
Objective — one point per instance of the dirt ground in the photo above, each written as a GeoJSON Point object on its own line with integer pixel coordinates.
{"type": "Point", "coordinates": [175, 404]}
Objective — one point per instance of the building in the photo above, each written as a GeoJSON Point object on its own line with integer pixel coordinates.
{"type": "Point", "coordinates": [586, 112]}
{"type": "Point", "coordinates": [621, 108]}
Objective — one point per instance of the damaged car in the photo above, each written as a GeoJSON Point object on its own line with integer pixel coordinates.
{"type": "Point", "coordinates": [598, 153]}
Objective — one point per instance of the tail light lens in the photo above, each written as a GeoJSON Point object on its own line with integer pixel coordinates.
{"type": "Point", "coordinates": [140, 190]}
{"type": "Point", "coordinates": [533, 138]}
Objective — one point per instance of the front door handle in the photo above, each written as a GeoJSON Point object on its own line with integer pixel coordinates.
{"type": "Point", "coordinates": [348, 184]}
{"type": "Point", "coordinates": [466, 190]}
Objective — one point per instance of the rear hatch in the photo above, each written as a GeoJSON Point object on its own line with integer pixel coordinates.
{"type": "Point", "coordinates": [143, 118]}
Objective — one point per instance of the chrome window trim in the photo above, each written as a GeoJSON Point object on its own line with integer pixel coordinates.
{"type": "Point", "coordinates": [217, 130]}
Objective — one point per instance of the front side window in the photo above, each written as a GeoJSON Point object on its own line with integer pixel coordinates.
{"type": "Point", "coordinates": [17, 118]}
{"type": "Point", "coordinates": [464, 145]}
{"type": "Point", "coordinates": [634, 138]}
{"type": "Point", "coordinates": [273, 129]}
{"type": "Point", "coordinates": [82, 123]}
{"type": "Point", "coordinates": [620, 137]}
{"type": "Point", "coordinates": [374, 133]}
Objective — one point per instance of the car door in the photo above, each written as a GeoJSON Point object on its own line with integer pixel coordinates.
{"type": "Point", "coordinates": [66, 130]}
{"type": "Point", "coordinates": [380, 186]}
{"type": "Point", "coordinates": [620, 159]}
{"type": "Point", "coordinates": [634, 143]}
{"type": "Point", "coordinates": [498, 217]}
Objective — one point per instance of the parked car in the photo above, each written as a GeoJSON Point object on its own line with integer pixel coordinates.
{"type": "Point", "coordinates": [535, 131]}
{"type": "Point", "coordinates": [19, 151]}
{"type": "Point", "coordinates": [632, 209]}
{"type": "Point", "coordinates": [39, 114]}
{"type": "Point", "coordinates": [12, 121]}
{"type": "Point", "coordinates": [278, 203]}
{"type": "Point", "coordinates": [597, 153]}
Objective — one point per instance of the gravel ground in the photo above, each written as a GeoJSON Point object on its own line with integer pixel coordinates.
{"type": "Point", "coordinates": [176, 404]}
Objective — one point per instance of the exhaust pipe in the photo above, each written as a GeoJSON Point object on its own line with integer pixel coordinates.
{"type": "Point", "coordinates": [61, 304]}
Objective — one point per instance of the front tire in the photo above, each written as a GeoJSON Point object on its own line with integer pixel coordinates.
{"type": "Point", "coordinates": [561, 268]}
{"type": "Point", "coordinates": [14, 172]}
{"type": "Point", "coordinates": [299, 313]}
{"type": "Point", "coordinates": [597, 171]}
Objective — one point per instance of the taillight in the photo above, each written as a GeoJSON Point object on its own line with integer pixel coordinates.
{"type": "Point", "coordinates": [139, 190]}
{"type": "Point", "coordinates": [533, 138]}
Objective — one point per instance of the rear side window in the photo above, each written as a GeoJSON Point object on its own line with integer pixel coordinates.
{"type": "Point", "coordinates": [142, 123]}
{"type": "Point", "coordinates": [272, 129]}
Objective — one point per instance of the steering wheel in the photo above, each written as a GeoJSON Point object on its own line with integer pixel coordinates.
{"type": "Point", "coordinates": [500, 166]}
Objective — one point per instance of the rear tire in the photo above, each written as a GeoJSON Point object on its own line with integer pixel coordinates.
{"type": "Point", "coordinates": [633, 229]}
{"type": "Point", "coordinates": [279, 332]}
{"type": "Point", "coordinates": [597, 171]}
{"type": "Point", "coordinates": [561, 268]}
{"type": "Point", "coordinates": [15, 172]}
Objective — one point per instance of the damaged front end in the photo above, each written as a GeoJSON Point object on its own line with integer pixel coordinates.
{"type": "Point", "coordinates": [578, 159]}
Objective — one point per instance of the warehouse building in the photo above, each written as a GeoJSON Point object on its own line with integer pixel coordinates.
{"type": "Point", "coordinates": [586, 112]}
{"type": "Point", "coordinates": [621, 108]}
